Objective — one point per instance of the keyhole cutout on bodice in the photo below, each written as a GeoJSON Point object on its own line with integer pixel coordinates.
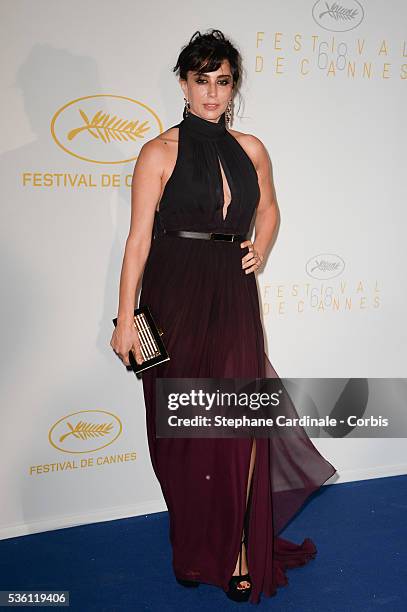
{"type": "Point", "coordinates": [227, 195]}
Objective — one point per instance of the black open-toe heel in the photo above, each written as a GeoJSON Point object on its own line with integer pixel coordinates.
{"type": "Point", "coordinates": [234, 592]}
{"type": "Point", "coordinates": [188, 583]}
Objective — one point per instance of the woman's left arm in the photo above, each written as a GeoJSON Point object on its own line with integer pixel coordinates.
{"type": "Point", "coordinates": [267, 210]}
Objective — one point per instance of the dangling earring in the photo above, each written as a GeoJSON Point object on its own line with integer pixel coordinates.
{"type": "Point", "coordinates": [187, 106]}
{"type": "Point", "coordinates": [228, 113]}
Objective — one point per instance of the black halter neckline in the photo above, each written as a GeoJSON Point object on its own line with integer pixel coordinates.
{"type": "Point", "coordinates": [203, 127]}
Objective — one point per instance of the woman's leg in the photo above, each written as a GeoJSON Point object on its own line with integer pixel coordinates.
{"type": "Point", "coordinates": [245, 584]}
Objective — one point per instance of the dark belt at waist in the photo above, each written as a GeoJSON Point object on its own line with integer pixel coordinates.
{"type": "Point", "coordinates": [206, 235]}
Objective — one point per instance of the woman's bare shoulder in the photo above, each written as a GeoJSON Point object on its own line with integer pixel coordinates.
{"type": "Point", "coordinates": [159, 147]}
{"type": "Point", "coordinates": [166, 138]}
{"type": "Point", "coordinates": [252, 145]}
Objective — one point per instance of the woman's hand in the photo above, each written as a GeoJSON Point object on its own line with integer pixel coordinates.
{"type": "Point", "coordinates": [125, 339]}
{"type": "Point", "coordinates": [253, 260]}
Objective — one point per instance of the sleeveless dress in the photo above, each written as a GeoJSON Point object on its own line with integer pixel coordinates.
{"type": "Point", "coordinates": [209, 311]}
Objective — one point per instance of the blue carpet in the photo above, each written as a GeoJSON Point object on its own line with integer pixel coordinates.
{"type": "Point", "coordinates": [359, 528]}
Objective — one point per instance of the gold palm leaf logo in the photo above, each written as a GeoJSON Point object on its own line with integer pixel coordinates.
{"type": "Point", "coordinates": [84, 431]}
{"type": "Point", "coordinates": [106, 128]}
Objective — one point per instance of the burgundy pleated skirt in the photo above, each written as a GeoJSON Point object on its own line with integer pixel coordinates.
{"type": "Point", "coordinates": [209, 311]}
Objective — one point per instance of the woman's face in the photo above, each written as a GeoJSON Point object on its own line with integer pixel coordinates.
{"type": "Point", "coordinates": [209, 93]}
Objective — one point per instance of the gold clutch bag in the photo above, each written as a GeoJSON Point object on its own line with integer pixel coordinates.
{"type": "Point", "coordinates": [152, 346]}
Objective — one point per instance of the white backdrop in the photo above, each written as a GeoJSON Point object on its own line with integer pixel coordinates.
{"type": "Point", "coordinates": [324, 92]}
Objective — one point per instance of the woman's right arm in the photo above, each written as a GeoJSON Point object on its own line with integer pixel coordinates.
{"type": "Point", "coordinates": [145, 194]}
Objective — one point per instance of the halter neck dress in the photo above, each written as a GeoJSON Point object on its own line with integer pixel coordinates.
{"type": "Point", "coordinates": [209, 310]}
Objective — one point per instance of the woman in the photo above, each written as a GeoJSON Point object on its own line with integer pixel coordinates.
{"type": "Point", "coordinates": [227, 498]}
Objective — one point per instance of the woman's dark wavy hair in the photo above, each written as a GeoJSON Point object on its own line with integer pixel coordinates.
{"type": "Point", "coordinates": [205, 53]}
